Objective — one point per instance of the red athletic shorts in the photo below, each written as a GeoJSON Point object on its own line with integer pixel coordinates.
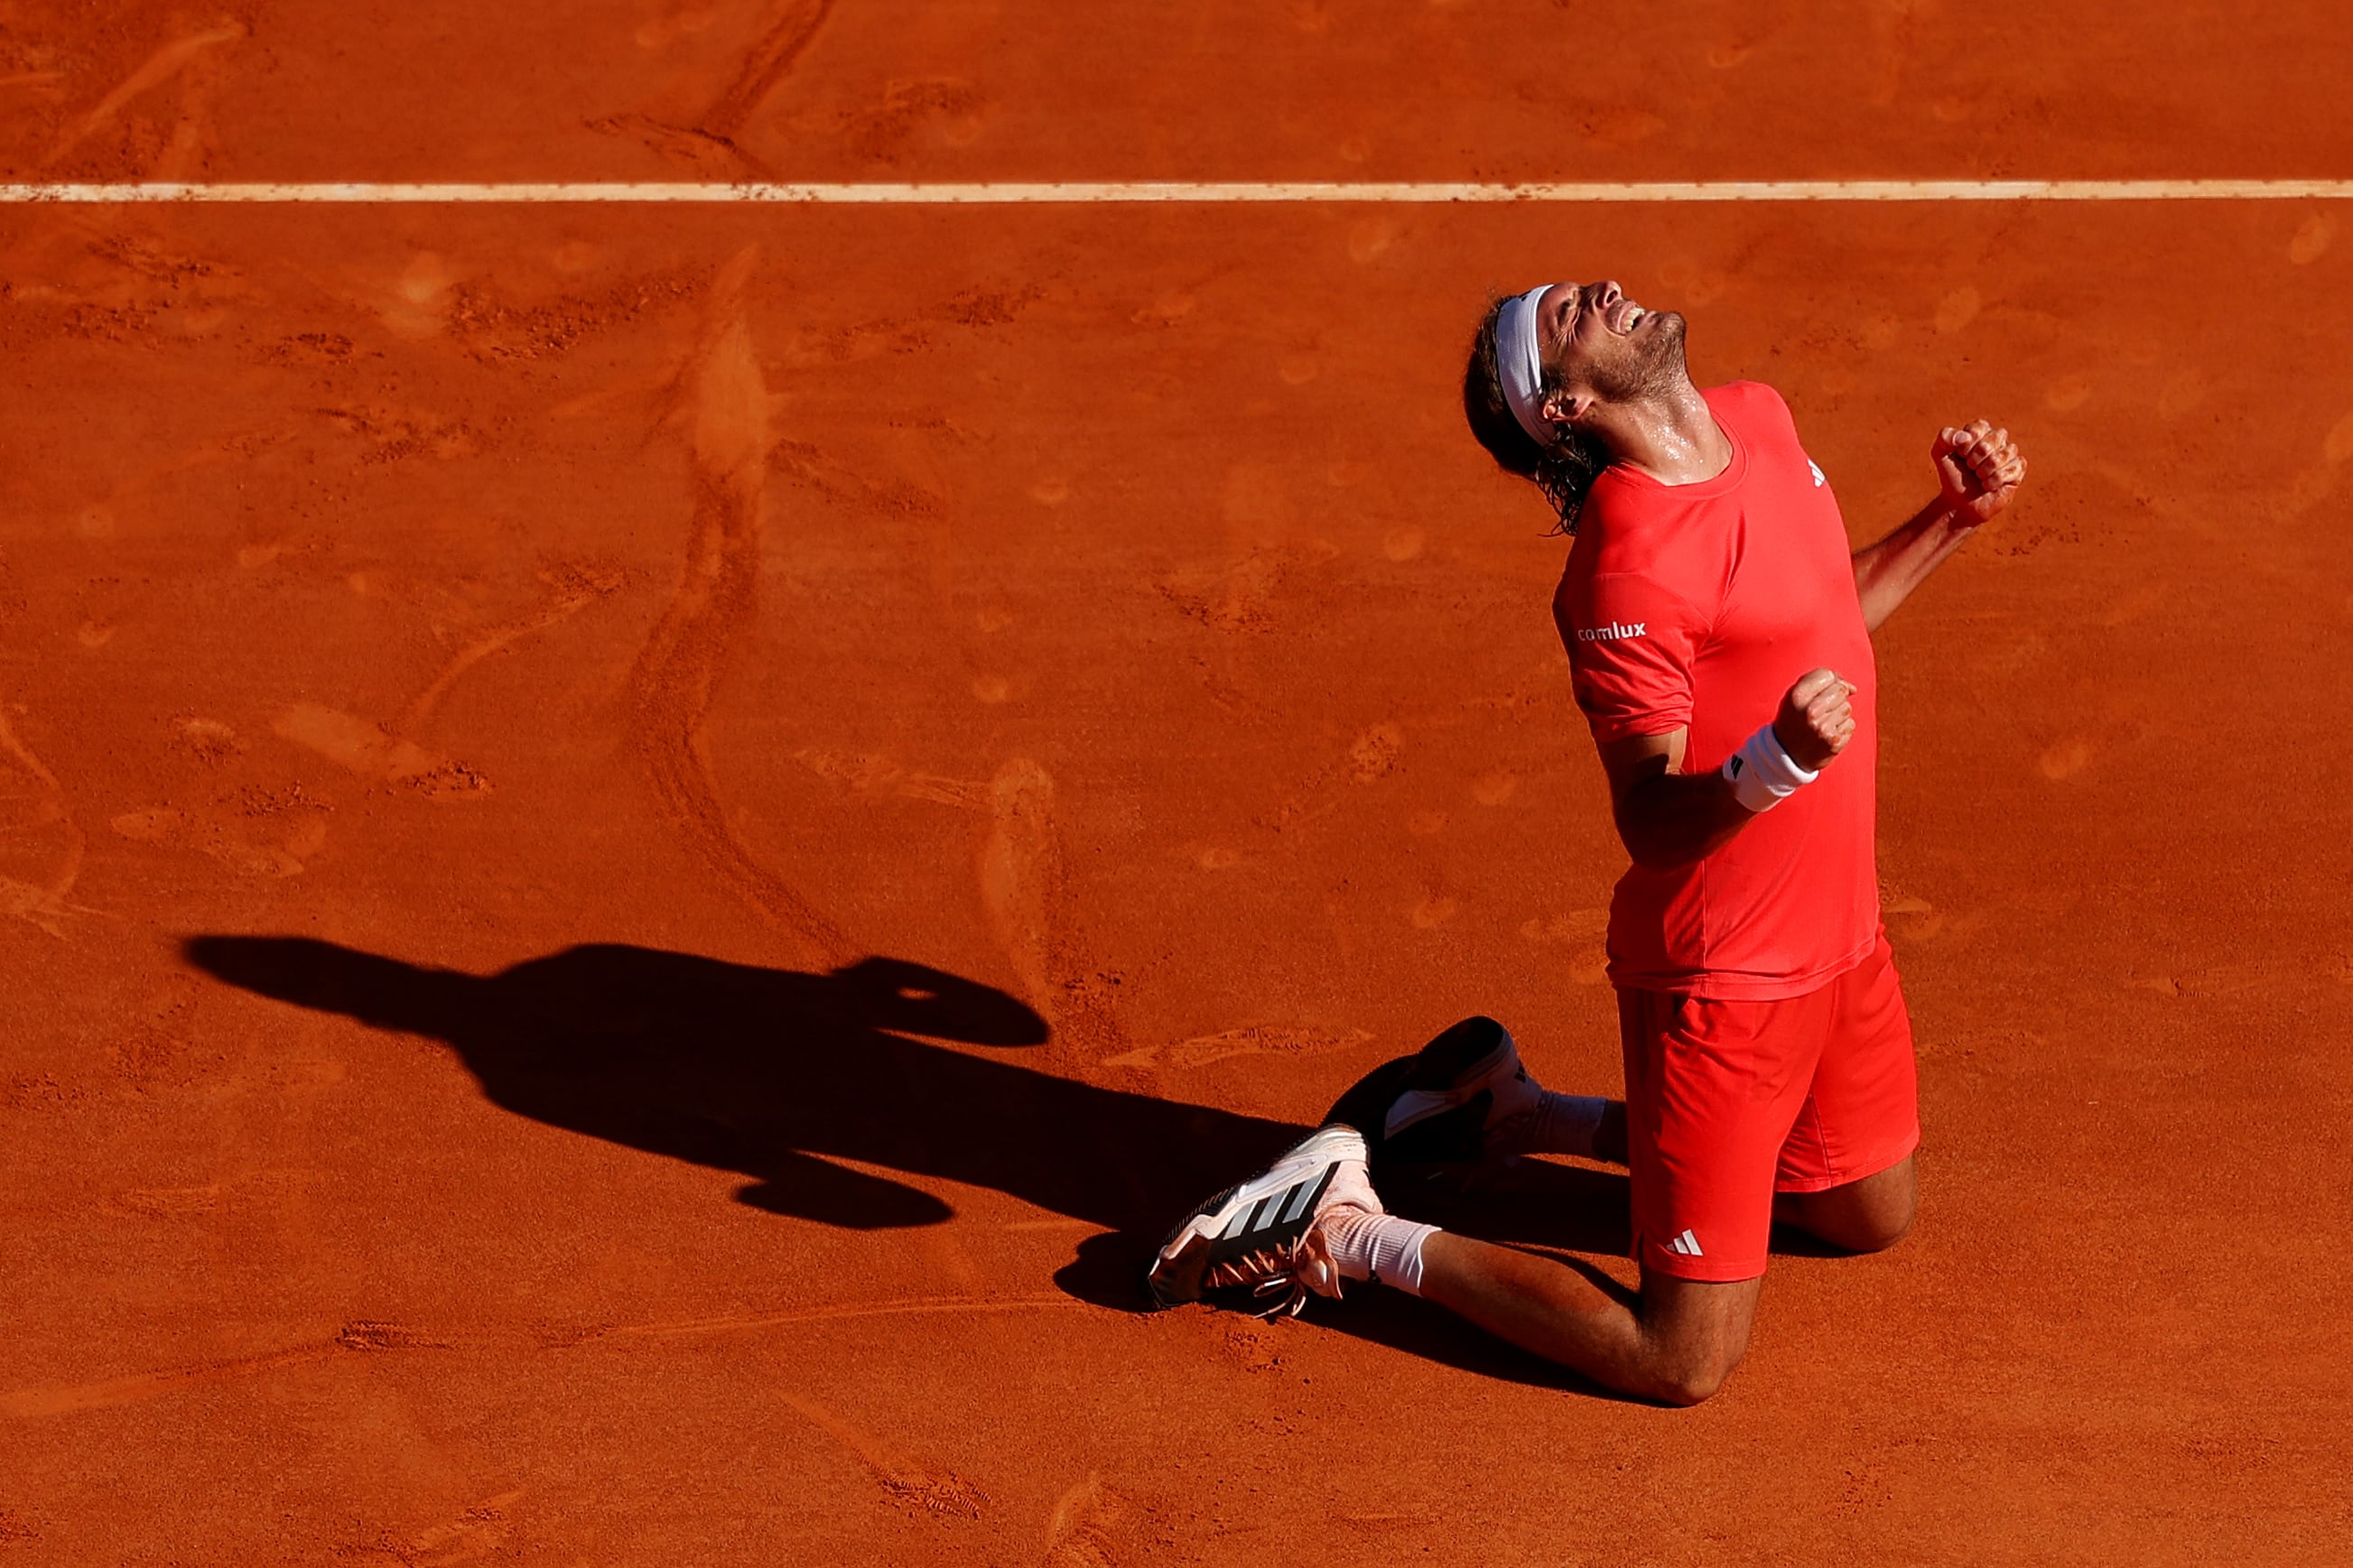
{"type": "Point", "coordinates": [1729, 1102]}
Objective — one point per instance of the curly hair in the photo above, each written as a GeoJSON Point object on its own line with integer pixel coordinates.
{"type": "Point", "coordinates": [1563, 471]}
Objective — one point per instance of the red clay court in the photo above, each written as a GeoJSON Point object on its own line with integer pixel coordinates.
{"type": "Point", "coordinates": [642, 844]}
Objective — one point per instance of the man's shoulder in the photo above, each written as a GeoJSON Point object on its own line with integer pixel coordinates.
{"type": "Point", "coordinates": [1646, 531]}
{"type": "Point", "coordinates": [1749, 401]}
{"type": "Point", "coordinates": [1598, 581]}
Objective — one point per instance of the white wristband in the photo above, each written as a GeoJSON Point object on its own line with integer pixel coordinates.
{"type": "Point", "coordinates": [1763, 773]}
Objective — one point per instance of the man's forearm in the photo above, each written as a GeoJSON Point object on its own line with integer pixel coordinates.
{"type": "Point", "coordinates": [1673, 820]}
{"type": "Point", "coordinates": [1887, 572]}
{"type": "Point", "coordinates": [1667, 817]}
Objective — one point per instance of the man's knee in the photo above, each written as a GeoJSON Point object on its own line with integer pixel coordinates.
{"type": "Point", "coordinates": [1888, 1218]}
{"type": "Point", "coordinates": [1878, 1232]}
{"type": "Point", "coordinates": [1697, 1334]}
{"type": "Point", "coordinates": [1869, 1216]}
{"type": "Point", "coordinates": [1694, 1381]}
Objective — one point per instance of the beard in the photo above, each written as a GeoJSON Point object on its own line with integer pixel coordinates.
{"type": "Point", "coordinates": [1652, 368]}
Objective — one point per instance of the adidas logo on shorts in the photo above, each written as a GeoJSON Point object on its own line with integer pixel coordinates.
{"type": "Point", "coordinates": [1687, 1244]}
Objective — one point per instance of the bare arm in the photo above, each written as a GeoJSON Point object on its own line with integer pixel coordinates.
{"type": "Point", "coordinates": [1887, 572]}
{"type": "Point", "coordinates": [1667, 817]}
{"type": "Point", "coordinates": [1978, 470]}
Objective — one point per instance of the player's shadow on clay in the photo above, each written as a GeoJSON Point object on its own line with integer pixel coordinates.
{"type": "Point", "coordinates": [778, 1074]}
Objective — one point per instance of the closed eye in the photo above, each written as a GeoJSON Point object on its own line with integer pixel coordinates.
{"type": "Point", "coordinates": [1565, 314]}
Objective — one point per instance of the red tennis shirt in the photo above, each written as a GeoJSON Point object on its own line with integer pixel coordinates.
{"type": "Point", "coordinates": [1698, 606]}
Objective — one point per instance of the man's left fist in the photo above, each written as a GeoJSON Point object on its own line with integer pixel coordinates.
{"type": "Point", "coordinates": [1980, 469]}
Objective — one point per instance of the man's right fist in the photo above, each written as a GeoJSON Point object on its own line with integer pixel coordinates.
{"type": "Point", "coordinates": [1816, 720]}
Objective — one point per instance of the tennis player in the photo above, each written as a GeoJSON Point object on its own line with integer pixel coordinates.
{"type": "Point", "coordinates": [1718, 628]}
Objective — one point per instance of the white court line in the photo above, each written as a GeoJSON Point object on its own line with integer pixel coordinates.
{"type": "Point", "coordinates": [1134, 191]}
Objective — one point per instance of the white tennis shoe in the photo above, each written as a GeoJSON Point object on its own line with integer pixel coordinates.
{"type": "Point", "coordinates": [1266, 1236]}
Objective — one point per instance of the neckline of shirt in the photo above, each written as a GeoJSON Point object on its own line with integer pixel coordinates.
{"type": "Point", "coordinates": [1698, 489]}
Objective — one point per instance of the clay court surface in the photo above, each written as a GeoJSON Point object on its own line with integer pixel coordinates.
{"type": "Point", "coordinates": [642, 850]}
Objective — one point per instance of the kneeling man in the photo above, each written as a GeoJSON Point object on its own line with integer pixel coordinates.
{"type": "Point", "coordinates": [1718, 629]}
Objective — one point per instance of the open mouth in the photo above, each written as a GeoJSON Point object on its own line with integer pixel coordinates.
{"type": "Point", "coordinates": [1627, 316]}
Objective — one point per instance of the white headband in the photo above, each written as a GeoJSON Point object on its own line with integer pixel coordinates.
{"type": "Point", "coordinates": [1519, 366]}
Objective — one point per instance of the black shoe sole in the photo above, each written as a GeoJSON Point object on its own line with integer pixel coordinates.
{"type": "Point", "coordinates": [1456, 1138]}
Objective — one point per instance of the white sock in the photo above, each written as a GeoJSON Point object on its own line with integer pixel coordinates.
{"type": "Point", "coordinates": [1378, 1247]}
{"type": "Point", "coordinates": [1561, 1124]}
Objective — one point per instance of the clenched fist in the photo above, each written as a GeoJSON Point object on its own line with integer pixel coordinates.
{"type": "Point", "coordinates": [1816, 719]}
{"type": "Point", "coordinates": [1980, 469]}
